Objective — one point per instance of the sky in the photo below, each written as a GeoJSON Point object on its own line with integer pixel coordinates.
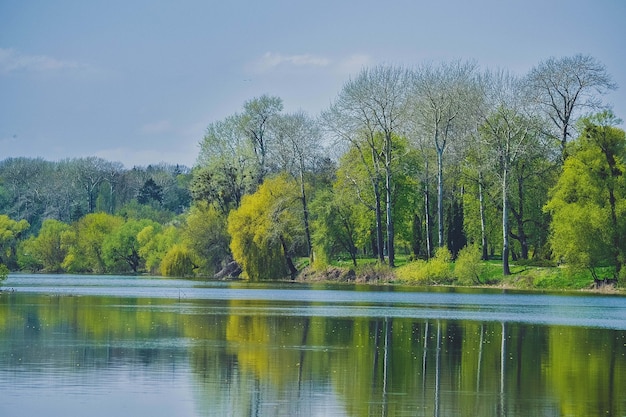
{"type": "Point", "coordinates": [139, 81]}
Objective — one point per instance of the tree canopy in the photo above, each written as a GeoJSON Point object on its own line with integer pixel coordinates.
{"type": "Point", "coordinates": [588, 203]}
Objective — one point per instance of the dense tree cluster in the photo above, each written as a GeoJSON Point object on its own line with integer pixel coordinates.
{"type": "Point", "coordinates": [404, 160]}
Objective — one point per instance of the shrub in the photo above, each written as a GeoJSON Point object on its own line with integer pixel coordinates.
{"type": "Point", "coordinates": [4, 273]}
{"type": "Point", "coordinates": [177, 262]}
{"type": "Point", "coordinates": [435, 271]}
{"type": "Point", "coordinates": [469, 267]}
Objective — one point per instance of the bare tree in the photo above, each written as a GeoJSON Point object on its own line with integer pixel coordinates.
{"type": "Point", "coordinates": [360, 133]}
{"type": "Point", "coordinates": [508, 132]}
{"type": "Point", "coordinates": [376, 101]}
{"type": "Point", "coordinates": [227, 165]}
{"type": "Point", "coordinates": [298, 140]}
{"type": "Point", "coordinates": [443, 109]}
{"type": "Point", "coordinates": [564, 87]}
{"type": "Point", "coordinates": [89, 173]}
{"type": "Point", "coordinates": [256, 122]}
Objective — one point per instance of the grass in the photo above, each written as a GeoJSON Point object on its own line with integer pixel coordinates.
{"type": "Point", "coordinates": [525, 275]}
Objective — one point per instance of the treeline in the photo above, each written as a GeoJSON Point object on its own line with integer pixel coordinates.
{"type": "Point", "coordinates": [34, 189]}
{"type": "Point", "coordinates": [49, 209]}
{"type": "Point", "coordinates": [404, 160]}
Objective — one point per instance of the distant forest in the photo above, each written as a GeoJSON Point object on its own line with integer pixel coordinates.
{"type": "Point", "coordinates": [34, 189]}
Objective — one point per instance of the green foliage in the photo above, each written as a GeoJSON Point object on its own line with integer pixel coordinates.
{"type": "Point", "coordinates": [204, 233]}
{"type": "Point", "coordinates": [266, 229]}
{"type": "Point", "coordinates": [178, 262]}
{"type": "Point", "coordinates": [437, 270]}
{"type": "Point", "coordinates": [588, 204]}
{"type": "Point", "coordinates": [10, 233]}
{"type": "Point", "coordinates": [121, 247]}
{"type": "Point", "coordinates": [154, 242]}
{"type": "Point", "coordinates": [4, 273]}
{"type": "Point", "coordinates": [468, 267]}
{"type": "Point", "coordinates": [135, 210]}
{"type": "Point", "coordinates": [85, 242]}
{"type": "Point", "coordinates": [334, 227]}
{"type": "Point", "coordinates": [151, 193]}
{"type": "Point", "coordinates": [47, 250]}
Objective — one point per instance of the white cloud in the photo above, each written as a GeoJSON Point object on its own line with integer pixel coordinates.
{"type": "Point", "coordinates": [12, 61]}
{"type": "Point", "coordinates": [272, 60]}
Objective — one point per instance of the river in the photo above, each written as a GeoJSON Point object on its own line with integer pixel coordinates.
{"type": "Point", "coordinates": [143, 346]}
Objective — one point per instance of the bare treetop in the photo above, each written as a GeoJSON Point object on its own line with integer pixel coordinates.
{"type": "Point", "coordinates": [565, 87]}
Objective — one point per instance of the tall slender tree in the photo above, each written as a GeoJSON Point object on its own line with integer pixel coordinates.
{"type": "Point", "coordinates": [376, 101]}
{"type": "Point", "coordinates": [443, 109]}
{"type": "Point", "coordinates": [298, 140]}
{"type": "Point", "coordinates": [507, 132]}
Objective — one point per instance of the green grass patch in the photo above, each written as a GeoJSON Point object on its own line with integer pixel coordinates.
{"type": "Point", "coordinates": [440, 270]}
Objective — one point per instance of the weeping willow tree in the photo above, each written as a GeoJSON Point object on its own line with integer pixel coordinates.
{"type": "Point", "coordinates": [178, 262]}
{"type": "Point", "coordinates": [267, 230]}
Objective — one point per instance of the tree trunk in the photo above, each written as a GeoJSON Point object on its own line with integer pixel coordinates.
{"type": "Point", "coordinates": [293, 271]}
{"type": "Point", "coordinates": [440, 195]}
{"type": "Point", "coordinates": [483, 222]}
{"type": "Point", "coordinates": [379, 224]}
{"type": "Point", "coordinates": [388, 183]}
{"type": "Point", "coordinates": [427, 220]}
{"type": "Point", "coordinates": [305, 209]}
{"type": "Point", "coordinates": [519, 218]}
{"type": "Point", "coordinates": [505, 226]}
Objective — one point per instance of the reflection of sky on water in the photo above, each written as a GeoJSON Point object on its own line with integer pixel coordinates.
{"type": "Point", "coordinates": [131, 346]}
{"type": "Point", "coordinates": [603, 311]}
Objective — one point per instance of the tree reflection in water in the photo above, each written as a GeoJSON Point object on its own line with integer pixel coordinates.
{"type": "Point", "coordinates": [256, 358]}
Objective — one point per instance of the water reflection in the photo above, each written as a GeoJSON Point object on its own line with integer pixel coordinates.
{"type": "Point", "coordinates": [257, 356]}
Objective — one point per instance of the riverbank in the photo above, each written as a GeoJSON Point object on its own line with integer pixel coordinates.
{"type": "Point", "coordinates": [523, 277]}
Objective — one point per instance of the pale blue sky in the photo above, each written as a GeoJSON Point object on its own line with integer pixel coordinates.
{"type": "Point", "coordinates": [138, 81]}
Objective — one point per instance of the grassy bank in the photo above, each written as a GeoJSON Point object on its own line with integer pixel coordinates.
{"type": "Point", "coordinates": [524, 275]}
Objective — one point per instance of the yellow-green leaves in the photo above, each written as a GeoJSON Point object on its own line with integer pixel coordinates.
{"type": "Point", "coordinates": [589, 201]}
{"type": "Point", "coordinates": [266, 228]}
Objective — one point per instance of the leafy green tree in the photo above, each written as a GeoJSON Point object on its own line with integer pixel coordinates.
{"type": "Point", "coordinates": [137, 211]}
{"type": "Point", "coordinates": [204, 233]}
{"type": "Point", "coordinates": [588, 203]}
{"type": "Point", "coordinates": [334, 227]}
{"type": "Point", "coordinates": [47, 250]}
{"type": "Point", "coordinates": [154, 242]}
{"type": "Point", "coordinates": [354, 190]}
{"type": "Point", "coordinates": [121, 248]}
{"type": "Point", "coordinates": [227, 166]}
{"type": "Point", "coordinates": [10, 233]}
{"type": "Point", "coordinates": [150, 193]}
{"type": "Point", "coordinates": [86, 242]}
{"type": "Point", "coordinates": [267, 230]}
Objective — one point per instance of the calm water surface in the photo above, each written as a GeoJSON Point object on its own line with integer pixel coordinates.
{"type": "Point", "coordinates": [125, 346]}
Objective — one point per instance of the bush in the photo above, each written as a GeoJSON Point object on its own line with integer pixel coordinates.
{"type": "Point", "coordinates": [177, 262]}
{"type": "Point", "coordinates": [435, 271]}
{"type": "Point", "coordinates": [469, 267]}
{"type": "Point", "coordinates": [4, 273]}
